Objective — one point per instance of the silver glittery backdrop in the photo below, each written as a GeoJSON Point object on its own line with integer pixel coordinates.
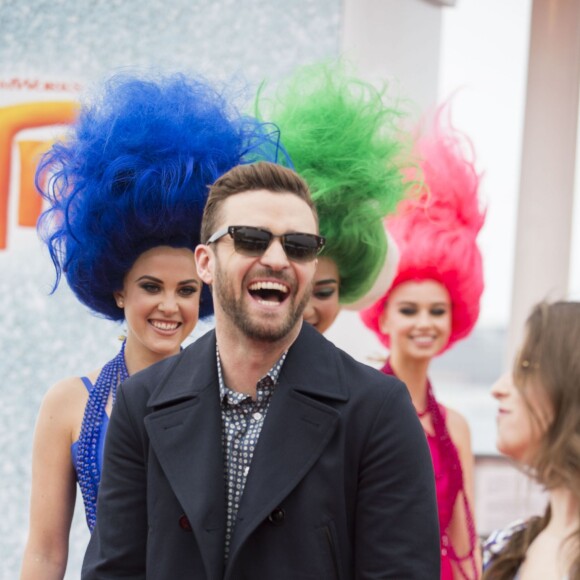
{"type": "Point", "coordinates": [45, 338]}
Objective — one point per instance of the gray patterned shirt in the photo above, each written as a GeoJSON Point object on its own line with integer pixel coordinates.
{"type": "Point", "coordinates": [242, 421]}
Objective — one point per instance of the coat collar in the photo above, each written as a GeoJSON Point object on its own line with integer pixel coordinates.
{"type": "Point", "coordinates": [184, 429]}
{"type": "Point", "coordinates": [313, 366]}
{"type": "Point", "coordinates": [192, 371]}
{"type": "Point", "coordinates": [195, 369]}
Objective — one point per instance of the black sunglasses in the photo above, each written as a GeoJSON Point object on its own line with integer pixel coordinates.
{"type": "Point", "coordinates": [254, 242]}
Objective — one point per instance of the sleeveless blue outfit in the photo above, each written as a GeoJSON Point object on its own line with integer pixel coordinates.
{"type": "Point", "coordinates": [87, 452]}
{"type": "Point", "coordinates": [101, 442]}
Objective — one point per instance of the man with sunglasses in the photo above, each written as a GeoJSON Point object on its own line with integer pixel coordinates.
{"type": "Point", "coordinates": [263, 452]}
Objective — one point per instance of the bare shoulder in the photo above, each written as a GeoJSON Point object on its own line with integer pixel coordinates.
{"type": "Point", "coordinates": [64, 403]}
{"type": "Point", "coordinates": [65, 391]}
{"type": "Point", "coordinates": [458, 428]}
{"type": "Point", "coordinates": [461, 436]}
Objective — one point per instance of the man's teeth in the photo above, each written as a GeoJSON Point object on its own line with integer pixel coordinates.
{"type": "Point", "coordinates": [269, 286]}
{"type": "Point", "coordinates": [164, 325]}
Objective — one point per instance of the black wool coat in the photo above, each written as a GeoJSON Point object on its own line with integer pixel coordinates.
{"type": "Point", "coordinates": [341, 483]}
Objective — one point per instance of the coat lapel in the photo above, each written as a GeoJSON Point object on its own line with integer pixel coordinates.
{"type": "Point", "coordinates": [185, 433]}
{"type": "Point", "coordinates": [297, 428]}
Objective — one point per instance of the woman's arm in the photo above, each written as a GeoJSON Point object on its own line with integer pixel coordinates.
{"type": "Point", "coordinates": [459, 530]}
{"type": "Point", "coordinates": [53, 481]}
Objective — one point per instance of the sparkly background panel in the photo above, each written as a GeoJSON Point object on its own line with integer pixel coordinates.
{"type": "Point", "coordinates": [46, 338]}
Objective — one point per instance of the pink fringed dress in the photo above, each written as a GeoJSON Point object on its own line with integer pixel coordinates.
{"type": "Point", "coordinates": [450, 489]}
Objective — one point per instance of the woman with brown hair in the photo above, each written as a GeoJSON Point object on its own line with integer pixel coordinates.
{"type": "Point", "coordinates": [538, 426]}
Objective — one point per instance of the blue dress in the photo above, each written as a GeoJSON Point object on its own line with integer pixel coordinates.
{"type": "Point", "coordinates": [87, 452]}
{"type": "Point", "coordinates": [102, 433]}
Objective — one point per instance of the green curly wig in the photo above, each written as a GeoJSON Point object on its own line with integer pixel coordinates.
{"type": "Point", "coordinates": [342, 139]}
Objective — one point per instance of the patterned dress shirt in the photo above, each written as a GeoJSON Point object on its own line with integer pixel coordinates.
{"type": "Point", "coordinates": [242, 421]}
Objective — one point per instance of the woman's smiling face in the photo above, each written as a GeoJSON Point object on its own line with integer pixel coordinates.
{"type": "Point", "coordinates": [160, 298]}
{"type": "Point", "coordinates": [417, 318]}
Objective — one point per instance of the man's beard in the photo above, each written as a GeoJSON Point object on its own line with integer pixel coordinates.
{"type": "Point", "coordinates": [237, 311]}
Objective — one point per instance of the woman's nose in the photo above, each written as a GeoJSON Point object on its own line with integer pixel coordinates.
{"type": "Point", "coordinates": [499, 388]}
{"type": "Point", "coordinates": [423, 319]}
{"type": "Point", "coordinates": [168, 304]}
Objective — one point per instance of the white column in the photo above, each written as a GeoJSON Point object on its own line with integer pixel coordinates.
{"type": "Point", "coordinates": [544, 225]}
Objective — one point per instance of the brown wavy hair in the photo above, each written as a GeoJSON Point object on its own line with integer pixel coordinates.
{"type": "Point", "coordinates": [549, 360]}
{"type": "Point", "coordinates": [252, 177]}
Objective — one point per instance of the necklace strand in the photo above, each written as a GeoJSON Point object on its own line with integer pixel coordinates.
{"type": "Point", "coordinates": [88, 468]}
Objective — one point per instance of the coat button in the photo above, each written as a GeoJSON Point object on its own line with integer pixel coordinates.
{"type": "Point", "coordinates": [184, 523]}
{"type": "Point", "coordinates": [277, 516]}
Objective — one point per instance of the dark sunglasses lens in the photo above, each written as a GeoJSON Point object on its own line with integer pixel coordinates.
{"type": "Point", "coordinates": [251, 241]}
{"type": "Point", "coordinates": [301, 246]}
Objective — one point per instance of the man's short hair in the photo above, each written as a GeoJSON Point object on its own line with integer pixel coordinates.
{"type": "Point", "coordinates": [256, 176]}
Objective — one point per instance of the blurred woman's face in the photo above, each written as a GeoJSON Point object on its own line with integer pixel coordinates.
{"type": "Point", "coordinates": [417, 318]}
{"type": "Point", "coordinates": [522, 420]}
{"type": "Point", "coordinates": [323, 306]}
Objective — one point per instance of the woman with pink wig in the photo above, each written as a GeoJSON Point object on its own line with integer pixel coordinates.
{"type": "Point", "coordinates": [432, 303]}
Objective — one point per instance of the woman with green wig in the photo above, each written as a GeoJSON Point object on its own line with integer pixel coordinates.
{"type": "Point", "coordinates": [342, 138]}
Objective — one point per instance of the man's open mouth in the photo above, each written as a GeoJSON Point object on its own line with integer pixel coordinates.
{"type": "Point", "coordinates": [269, 292]}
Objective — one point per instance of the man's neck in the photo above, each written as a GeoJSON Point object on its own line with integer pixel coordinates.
{"type": "Point", "coordinates": [245, 361]}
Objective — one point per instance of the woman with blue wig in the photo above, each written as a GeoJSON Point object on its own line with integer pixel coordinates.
{"type": "Point", "coordinates": [125, 191]}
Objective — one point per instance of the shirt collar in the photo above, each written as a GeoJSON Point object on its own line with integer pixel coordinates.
{"type": "Point", "coordinates": [268, 380]}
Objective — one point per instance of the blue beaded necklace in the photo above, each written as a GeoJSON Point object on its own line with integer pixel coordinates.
{"type": "Point", "coordinates": [89, 470]}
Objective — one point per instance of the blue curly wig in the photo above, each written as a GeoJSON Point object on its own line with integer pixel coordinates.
{"type": "Point", "coordinates": [134, 174]}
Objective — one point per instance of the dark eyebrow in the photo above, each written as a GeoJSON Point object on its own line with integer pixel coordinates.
{"type": "Point", "coordinates": [410, 303]}
{"type": "Point", "coordinates": [153, 279]}
{"type": "Point", "coordinates": [147, 277]}
{"type": "Point", "coordinates": [328, 281]}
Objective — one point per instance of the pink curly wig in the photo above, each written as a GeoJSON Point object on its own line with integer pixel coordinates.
{"type": "Point", "coordinates": [436, 230]}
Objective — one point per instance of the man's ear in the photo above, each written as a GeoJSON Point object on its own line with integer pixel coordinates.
{"type": "Point", "coordinates": [204, 263]}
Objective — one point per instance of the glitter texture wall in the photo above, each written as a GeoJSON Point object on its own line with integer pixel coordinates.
{"type": "Point", "coordinates": [45, 338]}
